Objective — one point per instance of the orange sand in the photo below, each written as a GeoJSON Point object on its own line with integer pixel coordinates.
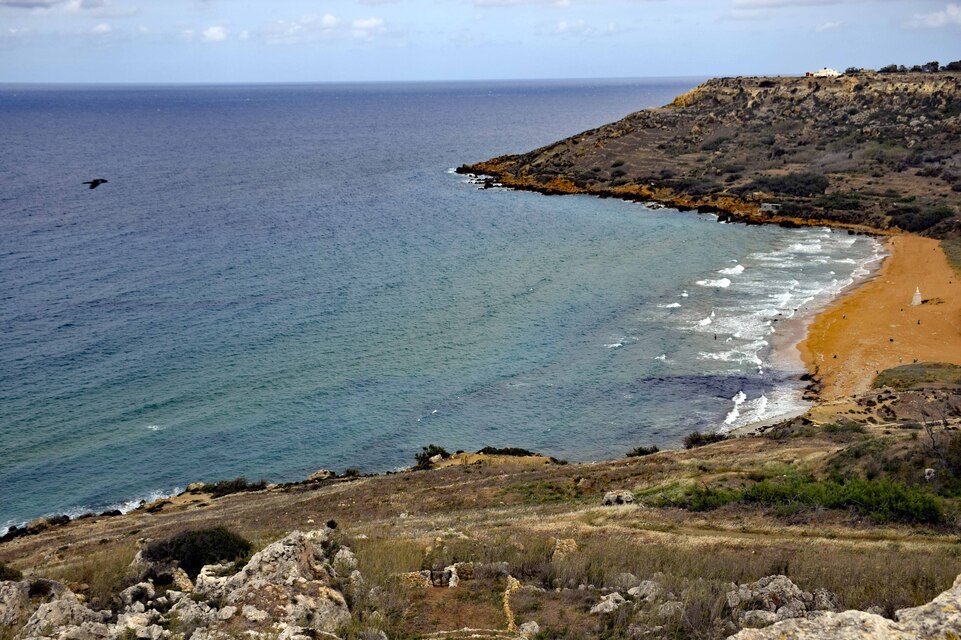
{"type": "Point", "coordinates": [875, 327]}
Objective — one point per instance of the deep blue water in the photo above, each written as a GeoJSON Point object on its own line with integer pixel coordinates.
{"type": "Point", "coordinates": [282, 278]}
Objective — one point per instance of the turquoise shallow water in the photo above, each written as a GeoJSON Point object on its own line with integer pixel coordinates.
{"type": "Point", "coordinates": [278, 279]}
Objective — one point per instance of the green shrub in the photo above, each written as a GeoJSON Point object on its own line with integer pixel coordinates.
{"type": "Point", "coordinates": [697, 439]}
{"type": "Point", "coordinates": [915, 218]}
{"type": "Point", "coordinates": [795, 184]}
{"type": "Point", "coordinates": [838, 201]}
{"type": "Point", "coordinates": [9, 573]}
{"type": "Point", "coordinates": [506, 451]}
{"type": "Point", "coordinates": [194, 549]}
{"type": "Point", "coordinates": [847, 427]}
{"type": "Point", "coordinates": [708, 498]}
{"type": "Point", "coordinates": [428, 452]}
{"type": "Point", "coordinates": [237, 485]}
{"type": "Point", "coordinates": [952, 454]}
{"type": "Point", "coordinates": [642, 451]}
{"type": "Point", "coordinates": [881, 500]}
{"type": "Point", "coordinates": [715, 143]}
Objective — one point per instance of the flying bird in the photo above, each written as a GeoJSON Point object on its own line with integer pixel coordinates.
{"type": "Point", "coordinates": [96, 182]}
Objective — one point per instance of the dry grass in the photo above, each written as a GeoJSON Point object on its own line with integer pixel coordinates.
{"type": "Point", "coordinates": [698, 573]}
{"type": "Point", "coordinates": [104, 572]}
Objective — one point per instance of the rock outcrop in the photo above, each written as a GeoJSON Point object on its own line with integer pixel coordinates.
{"type": "Point", "coordinates": [613, 498]}
{"type": "Point", "coordinates": [776, 598]}
{"type": "Point", "coordinates": [940, 619]}
{"type": "Point", "coordinates": [290, 590]}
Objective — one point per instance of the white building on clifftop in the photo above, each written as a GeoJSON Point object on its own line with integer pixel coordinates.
{"type": "Point", "coordinates": [826, 72]}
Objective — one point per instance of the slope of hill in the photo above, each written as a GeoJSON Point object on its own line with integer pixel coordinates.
{"type": "Point", "coordinates": [880, 151]}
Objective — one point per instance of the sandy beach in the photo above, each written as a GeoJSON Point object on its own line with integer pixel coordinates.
{"type": "Point", "coordinates": [875, 327]}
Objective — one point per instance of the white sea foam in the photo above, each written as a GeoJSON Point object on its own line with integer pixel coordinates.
{"type": "Point", "coordinates": [614, 345]}
{"type": "Point", "coordinates": [670, 305]}
{"type": "Point", "coordinates": [806, 247]}
{"type": "Point", "coordinates": [722, 283]}
{"type": "Point", "coordinates": [734, 413]}
{"type": "Point", "coordinates": [662, 357]}
{"type": "Point", "coordinates": [684, 293]}
{"type": "Point", "coordinates": [123, 507]}
{"type": "Point", "coordinates": [708, 320]}
{"type": "Point", "coordinates": [153, 427]}
{"type": "Point", "coordinates": [737, 269]}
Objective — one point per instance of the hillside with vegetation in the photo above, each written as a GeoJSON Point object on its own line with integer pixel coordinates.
{"type": "Point", "coordinates": [855, 507]}
{"type": "Point", "coordinates": [866, 149]}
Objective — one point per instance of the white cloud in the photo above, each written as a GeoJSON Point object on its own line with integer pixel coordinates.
{"type": "Point", "coordinates": [775, 4]}
{"type": "Point", "coordinates": [102, 29]}
{"type": "Point", "coordinates": [950, 15]}
{"type": "Point", "coordinates": [513, 3]}
{"type": "Point", "coordinates": [583, 29]}
{"type": "Point", "coordinates": [96, 8]}
{"type": "Point", "coordinates": [368, 23]}
{"type": "Point", "coordinates": [214, 34]}
{"type": "Point", "coordinates": [364, 27]}
{"type": "Point", "coordinates": [325, 27]}
{"type": "Point", "coordinates": [827, 26]}
{"type": "Point", "coordinates": [29, 4]}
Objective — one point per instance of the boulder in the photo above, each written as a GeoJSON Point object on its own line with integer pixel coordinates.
{"type": "Point", "coordinates": [646, 591]}
{"type": "Point", "coordinates": [344, 561]}
{"type": "Point", "coordinates": [321, 474]}
{"type": "Point", "coordinates": [254, 614]}
{"type": "Point", "coordinates": [529, 629]}
{"type": "Point", "coordinates": [64, 610]}
{"type": "Point", "coordinates": [37, 525]}
{"type": "Point", "coordinates": [181, 581]}
{"type": "Point", "coordinates": [193, 614]}
{"type": "Point", "coordinates": [614, 498]}
{"type": "Point", "coordinates": [14, 603]}
{"type": "Point", "coordinates": [670, 609]}
{"type": "Point", "coordinates": [142, 592]}
{"type": "Point", "coordinates": [563, 547]}
{"type": "Point", "coordinates": [609, 603]}
{"type": "Point", "coordinates": [624, 581]}
{"type": "Point", "coordinates": [757, 619]}
{"type": "Point", "coordinates": [824, 600]}
{"type": "Point", "coordinates": [141, 625]}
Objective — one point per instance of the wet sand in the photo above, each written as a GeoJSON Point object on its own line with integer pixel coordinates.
{"type": "Point", "coordinates": [875, 327]}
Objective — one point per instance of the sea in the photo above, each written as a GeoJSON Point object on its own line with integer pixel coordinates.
{"type": "Point", "coordinates": [277, 279]}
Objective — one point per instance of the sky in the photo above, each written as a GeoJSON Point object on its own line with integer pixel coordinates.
{"type": "Point", "coordinates": [187, 41]}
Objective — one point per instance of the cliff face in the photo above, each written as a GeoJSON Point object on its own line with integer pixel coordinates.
{"type": "Point", "coordinates": [882, 151]}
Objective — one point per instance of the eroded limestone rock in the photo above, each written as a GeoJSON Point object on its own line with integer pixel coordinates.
{"type": "Point", "coordinates": [620, 497]}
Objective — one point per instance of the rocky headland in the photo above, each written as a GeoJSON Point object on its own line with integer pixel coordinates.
{"type": "Point", "coordinates": [865, 151]}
